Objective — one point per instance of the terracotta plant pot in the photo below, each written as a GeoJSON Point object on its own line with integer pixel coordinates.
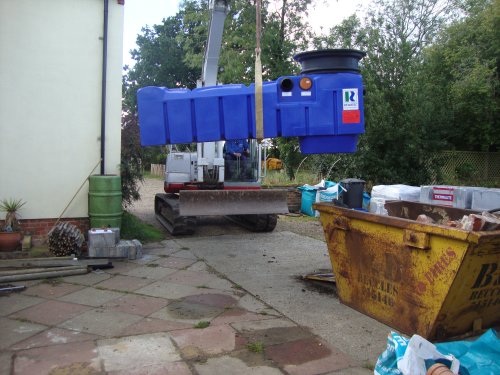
{"type": "Point", "coordinates": [439, 369]}
{"type": "Point", "coordinates": [10, 241]}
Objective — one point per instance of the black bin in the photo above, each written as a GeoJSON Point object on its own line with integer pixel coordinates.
{"type": "Point", "coordinates": [353, 197]}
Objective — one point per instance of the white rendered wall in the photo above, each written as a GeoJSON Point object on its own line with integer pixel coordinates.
{"type": "Point", "coordinates": [50, 101]}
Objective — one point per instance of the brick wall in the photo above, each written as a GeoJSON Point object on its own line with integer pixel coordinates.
{"type": "Point", "coordinates": [294, 197]}
{"type": "Point", "coordinates": [39, 228]}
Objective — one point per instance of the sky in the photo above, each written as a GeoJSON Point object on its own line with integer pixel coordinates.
{"type": "Point", "coordinates": [139, 13]}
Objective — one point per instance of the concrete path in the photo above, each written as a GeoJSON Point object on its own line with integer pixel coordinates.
{"type": "Point", "coordinates": [216, 305]}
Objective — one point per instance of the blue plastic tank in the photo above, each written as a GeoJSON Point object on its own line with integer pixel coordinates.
{"type": "Point", "coordinates": [323, 106]}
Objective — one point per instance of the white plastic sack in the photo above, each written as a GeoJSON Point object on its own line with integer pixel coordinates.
{"type": "Point", "coordinates": [407, 357]}
{"type": "Point", "coordinates": [329, 194]}
{"type": "Point", "coordinates": [417, 351]}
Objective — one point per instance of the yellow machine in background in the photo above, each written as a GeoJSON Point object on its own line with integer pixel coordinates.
{"type": "Point", "coordinates": [274, 164]}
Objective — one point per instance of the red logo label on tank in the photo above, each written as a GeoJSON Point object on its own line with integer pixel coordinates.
{"type": "Point", "coordinates": [351, 117]}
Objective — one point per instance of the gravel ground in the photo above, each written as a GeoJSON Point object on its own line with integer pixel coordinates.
{"type": "Point", "coordinates": [215, 225]}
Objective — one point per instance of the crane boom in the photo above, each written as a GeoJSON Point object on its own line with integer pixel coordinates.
{"type": "Point", "coordinates": [218, 12]}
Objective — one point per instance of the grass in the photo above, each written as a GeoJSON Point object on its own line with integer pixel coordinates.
{"type": "Point", "coordinates": [280, 178]}
{"type": "Point", "coordinates": [202, 324]}
{"type": "Point", "coordinates": [255, 347]}
{"type": "Point", "coordinates": [134, 228]}
{"type": "Point", "coordinates": [298, 219]}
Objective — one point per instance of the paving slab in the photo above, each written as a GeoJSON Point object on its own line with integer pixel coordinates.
{"type": "Point", "coordinates": [135, 304]}
{"type": "Point", "coordinates": [352, 371]}
{"type": "Point", "coordinates": [221, 284]}
{"type": "Point", "coordinates": [88, 279]}
{"type": "Point", "coordinates": [169, 290]}
{"type": "Point", "coordinates": [173, 368]}
{"type": "Point", "coordinates": [276, 335]}
{"type": "Point", "coordinates": [14, 331]}
{"type": "Point", "coordinates": [184, 254]}
{"type": "Point", "coordinates": [174, 262]}
{"type": "Point", "coordinates": [250, 303]}
{"type": "Point", "coordinates": [153, 325]}
{"type": "Point", "coordinates": [152, 271]}
{"type": "Point", "coordinates": [159, 249]}
{"type": "Point", "coordinates": [123, 283]}
{"type": "Point", "coordinates": [135, 352]}
{"type": "Point", "coordinates": [238, 315]}
{"type": "Point", "coordinates": [101, 322]}
{"type": "Point", "coordinates": [120, 266]}
{"type": "Point", "coordinates": [219, 300]}
{"type": "Point", "coordinates": [198, 266]}
{"type": "Point", "coordinates": [71, 358]}
{"type": "Point", "coordinates": [199, 278]}
{"type": "Point", "coordinates": [205, 341]}
{"type": "Point", "coordinates": [46, 290]}
{"type": "Point", "coordinates": [14, 302]}
{"type": "Point", "coordinates": [145, 259]}
{"type": "Point", "coordinates": [53, 336]}
{"type": "Point", "coordinates": [5, 363]}
{"type": "Point", "coordinates": [91, 297]}
{"type": "Point", "coordinates": [187, 312]}
{"type": "Point", "coordinates": [278, 284]}
{"type": "Point", "coordinates": [231, 365]}
{"type": "Point", "coordinates": [263, 324]}
{"type": "Point", "coordinates": [50, 312]}
{"type": "Point", "coordinates": [308, 356]}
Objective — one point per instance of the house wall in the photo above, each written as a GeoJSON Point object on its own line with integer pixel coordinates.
{"type": "Point", "coordinates": [50, 101]}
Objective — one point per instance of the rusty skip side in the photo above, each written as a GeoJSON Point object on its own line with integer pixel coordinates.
{"type": "Point", "coordinates": [432, 280]}
{"type": "Point", "coordinates": [232, 202]}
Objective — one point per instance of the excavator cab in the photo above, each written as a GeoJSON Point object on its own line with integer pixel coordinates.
{"type": "Point", "coordinates": [241, 161]}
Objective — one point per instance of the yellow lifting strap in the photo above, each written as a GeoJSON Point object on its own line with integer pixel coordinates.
{"type": "Point", "coordinates": [259, 117]}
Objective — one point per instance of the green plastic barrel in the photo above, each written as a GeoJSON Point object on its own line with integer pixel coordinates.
{"type": "Point", "coordinates": [105, 201]}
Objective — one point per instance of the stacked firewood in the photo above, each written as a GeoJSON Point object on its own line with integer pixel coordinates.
{"type": "Point", "coordinates": [65, 239]}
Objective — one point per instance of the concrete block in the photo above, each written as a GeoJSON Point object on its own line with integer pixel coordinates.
{"type": "Point", "coordinates": [485, 199]}
{"type": "Point", "coordinates": [101, 238]}
{"type": "Point", "coordinates": [100, 252]}
{"type": "Point", "coordinates": [116, 231]}
{"type": "Point", "coordinates": [138, 250]}
{"type": "Point", "coordinates": [124, 248]}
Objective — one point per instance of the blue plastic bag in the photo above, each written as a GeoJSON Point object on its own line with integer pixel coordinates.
{"type": "Point", "coordinates": [387, 363]}
{"type": "Point", "coordinates": [479, 357]}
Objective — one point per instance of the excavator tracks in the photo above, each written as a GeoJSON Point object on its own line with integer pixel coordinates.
{"type": "Point", "coordinates": [167, 213]}
{"type": "Point", "coordinates": [256, 223]}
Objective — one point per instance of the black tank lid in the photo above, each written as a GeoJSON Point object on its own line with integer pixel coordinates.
{"type": "Point", "coordinates": [330, 61]}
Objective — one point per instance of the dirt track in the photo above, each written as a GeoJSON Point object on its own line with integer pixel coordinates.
{"type": "Point", "coordinates": [216, 226]}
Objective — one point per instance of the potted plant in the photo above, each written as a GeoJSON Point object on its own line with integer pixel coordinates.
{"type": "Point", "coordinates": [10, 234]}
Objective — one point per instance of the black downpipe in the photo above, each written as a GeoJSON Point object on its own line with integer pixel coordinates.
{"type": "Point", "coordinates": [103, 92]}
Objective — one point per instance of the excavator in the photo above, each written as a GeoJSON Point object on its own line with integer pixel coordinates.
{"type": "Point", "coordinates": [206, 182]}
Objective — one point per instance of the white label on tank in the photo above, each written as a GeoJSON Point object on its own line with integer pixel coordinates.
{"type": "Point", "coordinates": [287, 93]}
{"type": "Point", "coordinates": [306, 93]}
{"type": "Point", "coordinates": [350, 99]}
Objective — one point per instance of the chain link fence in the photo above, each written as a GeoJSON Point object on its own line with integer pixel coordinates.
{"type": "Point", "coordinates": [466, 168]}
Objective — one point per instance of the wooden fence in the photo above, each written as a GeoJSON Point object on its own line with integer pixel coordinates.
{"type": "Point", "coordinates": [158, 169]}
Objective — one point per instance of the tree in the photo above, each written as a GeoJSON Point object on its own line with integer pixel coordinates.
{"type": "Point", "coordinates": [396, 145]}
{"type": "Point", "coordinates": [131, 155]}
{"type": "Point", "coordinates": [159, 58]}
{"type": "Point", "coordinates": [462, 69]}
